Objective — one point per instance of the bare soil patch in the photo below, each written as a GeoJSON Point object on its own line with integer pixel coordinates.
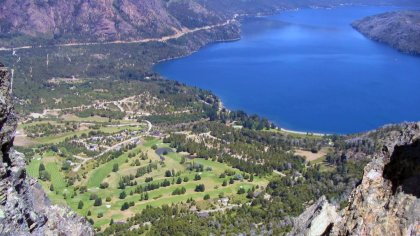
{"type": "Point", "coordinates": [310, 156]}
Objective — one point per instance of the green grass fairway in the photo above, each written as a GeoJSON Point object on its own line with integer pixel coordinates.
{"type": "Point", "coordinates": [91, 177]}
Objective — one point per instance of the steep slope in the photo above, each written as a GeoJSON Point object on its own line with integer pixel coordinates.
{"type": "Point", "coordinates": [400, 30]}
{"type": "Point", "coordinates": [99, 20]}
{"type": "Point", "coordinates": [24, 207]}
{"type": "Point", "coordinates": [35, 22]}
{"type": "Point", "coordinates": [385, 203]}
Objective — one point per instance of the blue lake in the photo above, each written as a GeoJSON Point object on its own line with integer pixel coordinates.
{"type": "Point", "coordinates": [308, 70]}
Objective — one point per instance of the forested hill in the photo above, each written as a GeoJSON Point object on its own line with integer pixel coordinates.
{"type": "Point", "coordinates": [400, 30]}
{"type": "Point", "coordinates": [34, 22]}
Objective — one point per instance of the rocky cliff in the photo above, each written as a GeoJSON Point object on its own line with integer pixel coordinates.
{"type": "Point", "coordinates": [317, 219]}
{"type": "Point", "coordinates": [24, 207]}
{"type": "Point", "coordinates": [400, 30]}
{"type": "Point", "coordinates": [387, 200]}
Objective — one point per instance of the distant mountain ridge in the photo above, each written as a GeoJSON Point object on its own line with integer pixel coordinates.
{"type": "Point", "coordinates": [100, 20]}
{"type": "Point", "coordinates": [400, 30]}
{"type": "Point", "coordinates": [34, 22]}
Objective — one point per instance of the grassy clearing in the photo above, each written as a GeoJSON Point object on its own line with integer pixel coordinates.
{"type": "Point", "coordinates": [323, 164]}
{"type": "Point", "coordinates": [33, 167]}
{"type": "Point", "coordinates": [74, 118]}
{"type": "Point", "coordinates": [310, 156]}
{"type": "Point", "coordinates": [100, 173]}
{"type": "Point", "coordinates": [57, 177]}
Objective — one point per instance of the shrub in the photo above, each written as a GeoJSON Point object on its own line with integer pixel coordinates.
{"type": "Point", "coordinates": [98, 202]}
{"type": "Point", "coordinates": [200, 188]}
{"type": "Point", "coordinates": [197, 177]}
{"type": "Point", "coordinates": [125, 206]}
{"type": "Point", "coordinates": [93, 196]}
{"type": "Point", "coordinates": [44, 175]}
{"type": "Point", "coordinates": [104, 185]}
{"type": "Point", "coordinates": [179, 191]}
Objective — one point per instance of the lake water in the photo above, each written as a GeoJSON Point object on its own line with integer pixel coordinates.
{"type": "Point", "coordinates": [308, 70]}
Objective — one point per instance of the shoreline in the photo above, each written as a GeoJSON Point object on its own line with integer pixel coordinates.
{"type": "Point", "coordinates": [242, 16]}
{"type": "Point", "coordinates": [221, 106]}
{"type": "Point", "coordinates": [192, 52]}
{"type": "Point", "coordinates": [260, 14]}
{"type": "Point", "coordinates": [303, 132]}
{"type": "Point", "coordinates": [278, 128]}
{"type": "Point", "coordinates": [257, 15]}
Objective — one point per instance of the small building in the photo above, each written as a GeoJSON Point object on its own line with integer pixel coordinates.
{"type": "Point", "coordinates": [224, 201]}
{"type": "Point", "coordinates": [70, 162]}
{"type": "Point", "coordinates": [93, 147]}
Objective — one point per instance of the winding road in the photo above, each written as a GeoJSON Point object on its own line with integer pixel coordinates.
{"type": "Point", "coordinates": [85, 159]}
{"type": "Point", "coordinates": [178, 34]}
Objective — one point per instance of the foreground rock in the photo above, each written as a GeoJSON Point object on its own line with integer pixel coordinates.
{"type": "Point", "coordinates": [400, 30]}
{"type": "Point", "coordinates": [316, 220]}
{"type": "Point", "coordinates": [24, 207]}
{"type": "Point", "coordinates": [385, 203]}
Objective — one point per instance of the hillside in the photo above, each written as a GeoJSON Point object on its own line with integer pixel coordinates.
{"type": "Point", "coordinates": [400, 30]}
{"type": "Point", "coordinates": [85, 21]}
{"type": "Point", "coordinates": [131, 153]}
{"type": "Point", "coordinates": [156, 157]}
{"type": "Point", "coordinates": [40, 22]}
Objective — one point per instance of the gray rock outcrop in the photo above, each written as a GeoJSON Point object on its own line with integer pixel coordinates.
{"type": "Point", "coordinates": [24, 206]}
{"type": "Point", "coordinates": [317, 219]}
{"type": "Point", "coordinates": [386, 202]}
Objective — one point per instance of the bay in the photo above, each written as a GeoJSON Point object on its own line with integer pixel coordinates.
{"type": "Point", "coordinates": [308, 70]}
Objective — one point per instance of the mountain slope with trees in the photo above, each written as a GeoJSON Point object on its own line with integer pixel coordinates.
{"type": "Point", "coordinates": [35, 22]}
{"type": "Point", "coordinates": [400, 30]}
